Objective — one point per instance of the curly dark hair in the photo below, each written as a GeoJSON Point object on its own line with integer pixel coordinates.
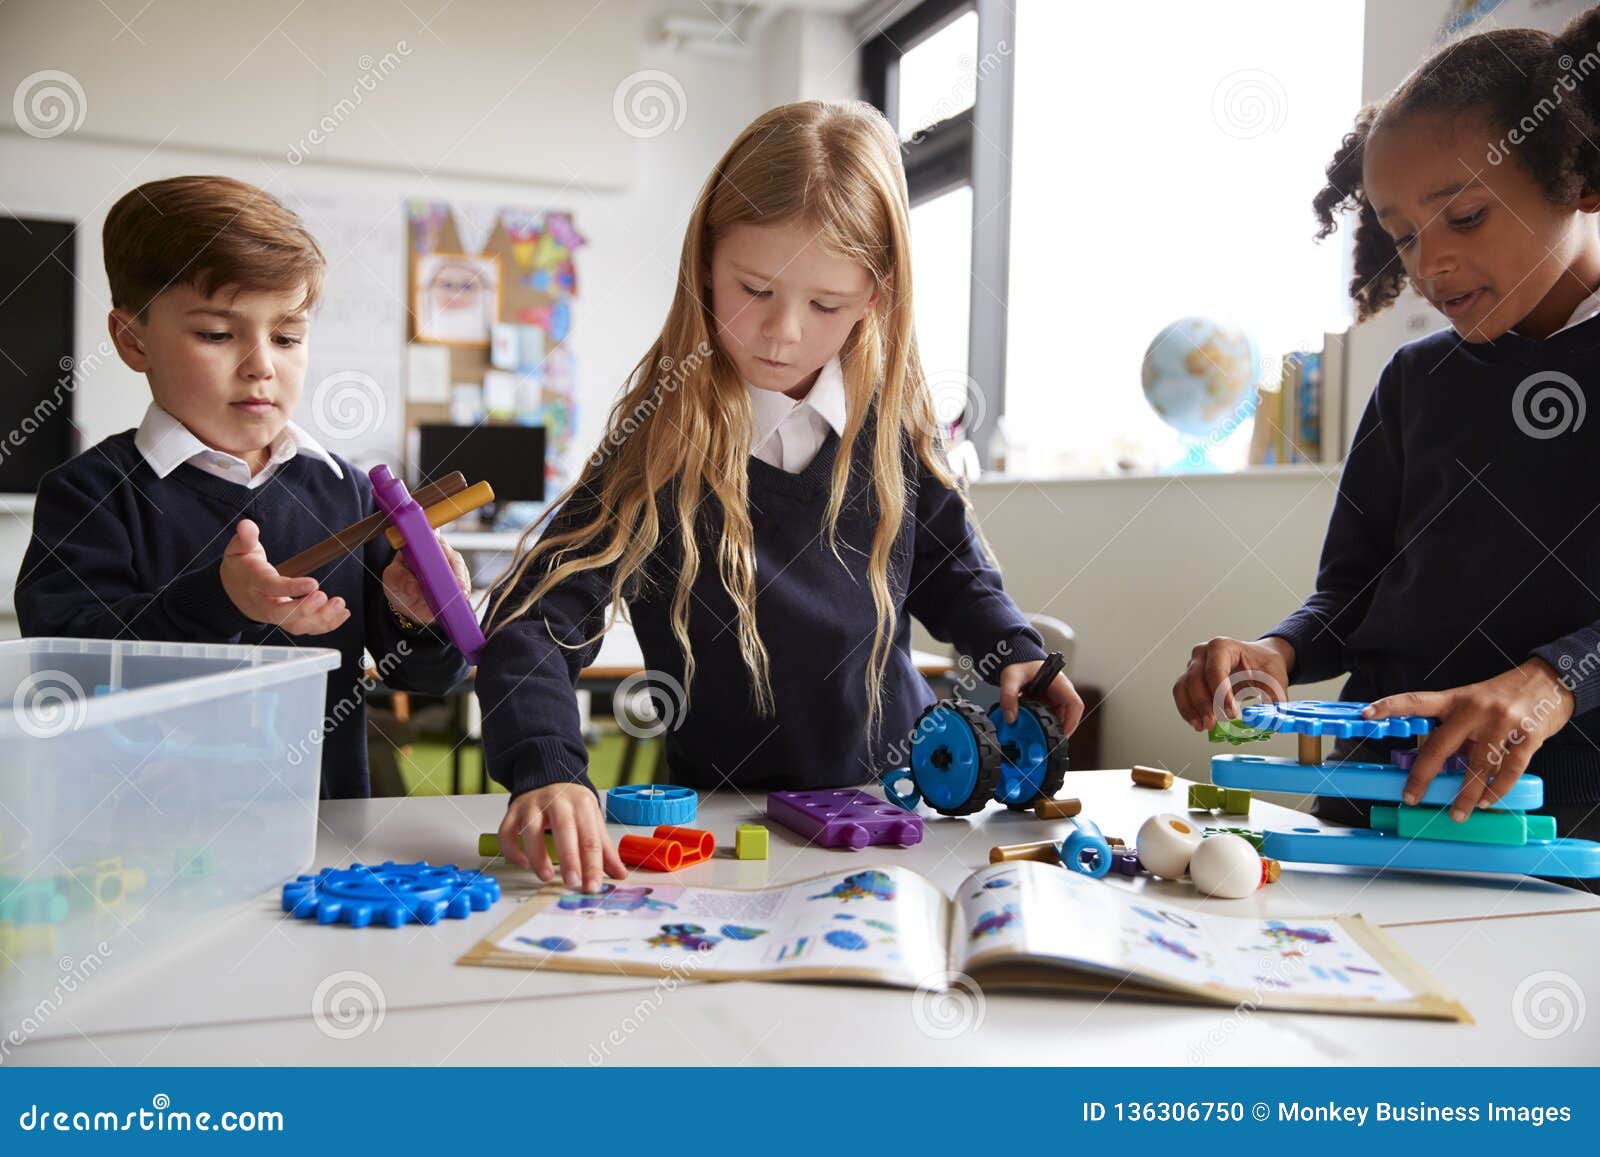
{"type": "Point", "coordinates": [1538, 90]}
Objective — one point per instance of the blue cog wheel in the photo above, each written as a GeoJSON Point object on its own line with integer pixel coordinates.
{"type": "Point", "coordinates": [955, 758]}
{"type": "Point", "coordinates": [1334, 718]}
{"type": "Point", "coordinates": [390, 894]}
{"type": "Point", "coordinates": [650, 805]}
{"type": "Point", "coordinates": [1033, 754]}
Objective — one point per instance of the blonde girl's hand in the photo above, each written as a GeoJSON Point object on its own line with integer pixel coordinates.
{"type": "Point", "coordinates": [571, 814]}
{"type": "Point", "coordinates": [1060, 696]}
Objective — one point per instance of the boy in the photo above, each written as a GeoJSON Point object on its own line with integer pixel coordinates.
{"type": "Point", "coordinates": [164, 532]}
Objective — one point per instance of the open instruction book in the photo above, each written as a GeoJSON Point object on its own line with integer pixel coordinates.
{"type": "Point", "coordinates": [1018, 924]}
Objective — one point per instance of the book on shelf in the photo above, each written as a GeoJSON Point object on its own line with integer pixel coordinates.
{"type": "Point", "coordinates": [1301, 420]}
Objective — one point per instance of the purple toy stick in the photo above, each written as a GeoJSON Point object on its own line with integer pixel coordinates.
{"type": "Point", "coordinates": [843, 818]}
{"type": "Point", "coordinates": [425, 557]}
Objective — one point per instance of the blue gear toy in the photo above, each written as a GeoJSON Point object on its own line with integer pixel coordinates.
{"type": "Point", "coordinates": [390, 894]}
{"type": "Point", "coordinates": [650, 805]}
{"type": "Point", "coordinates": [1334, 718]}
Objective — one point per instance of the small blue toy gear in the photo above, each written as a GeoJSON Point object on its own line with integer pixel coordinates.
{"type": "Point", "coordinates": [390, 894]}
{"type": "Point", "coordinates": [1337, 719]}
{"type": "Point", "coordinates": [649, 805]}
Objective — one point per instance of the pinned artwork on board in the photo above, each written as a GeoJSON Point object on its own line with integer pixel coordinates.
{"type": "Point", "coordinates": [457, 298]}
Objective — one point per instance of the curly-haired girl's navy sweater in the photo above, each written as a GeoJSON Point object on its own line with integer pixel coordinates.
{"type": "Point", "coordinates": [118, 553]}
{"type": "Point", "coordinates": [1465, 538]}
{"type": "Point", "coordinates": [814, 614]}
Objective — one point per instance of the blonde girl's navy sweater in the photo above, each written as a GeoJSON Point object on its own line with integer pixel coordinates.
{"type": "Point", "coordinates": [1465, 538]}
{"type": "Point", "coordinates": [814, 614]}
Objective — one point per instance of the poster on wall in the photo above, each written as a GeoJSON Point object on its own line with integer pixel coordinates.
{"type": "Point", "coordinates": [457, 298]}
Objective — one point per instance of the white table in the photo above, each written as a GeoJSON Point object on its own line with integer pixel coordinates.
{"type": "Point", "coordinates": [243, 993]}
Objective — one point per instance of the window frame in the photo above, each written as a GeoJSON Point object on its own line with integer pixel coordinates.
{"type": "Point", "coordinates": [971, 148]}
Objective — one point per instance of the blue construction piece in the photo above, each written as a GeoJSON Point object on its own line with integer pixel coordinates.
{"type": "Point", "coordinates": [1365, 848]}
{"type": "Point", "coordinates": [900, 788]}
{"type": "Point", "coordinates": [390, 894]}
{"type": "Point", "coordinates": [1027, 752]}
{"type": "Point", "coordinates": [1086, 850]}
{"type": "Point", "coordinates": [1334, 718]}
{"type": "Point", "coordinates": [948, 760]}
{"type": "Point", "coordinates": [651, 805]}
{"type": "Point", "coordinates": [1353, 779]}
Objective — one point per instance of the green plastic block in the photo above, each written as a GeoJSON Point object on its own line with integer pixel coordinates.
{"type": "Point", "coordinates": [750, 842]}
{"type": "Point", "coordinates": [489, 846]}
{"type": "Point", "coordinates": [31, 902]}
{"type": "Point", "coordinates": [1481, 827]}
{"type": "Point", "coordinates": [1250, 834]}
{"type": "Point", "coordinates": [1210, 797]}
{"type": "Point", "coordinates": [1235, 732]}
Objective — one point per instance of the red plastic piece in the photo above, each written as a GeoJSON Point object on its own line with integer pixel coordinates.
{"type": "Point", "coordinates": [668, 849]}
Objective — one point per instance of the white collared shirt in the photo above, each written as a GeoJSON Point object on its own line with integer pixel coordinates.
{"type": "Point", "coordinates": [1587, 308]}
{"type": "Point", "coordinates": [786, 433]}
{"type": "Point", "coordinates": [167, 443]}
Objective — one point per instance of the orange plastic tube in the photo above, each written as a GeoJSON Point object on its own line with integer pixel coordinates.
{"type": "Point", "coordinates": [697, 845]}
{"type": "Point", "coordinates": [657, 855]}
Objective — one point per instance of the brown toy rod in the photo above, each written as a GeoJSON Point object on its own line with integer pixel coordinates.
{"type": "Point", "coordinates": [448, 509]}
{"type": "Point", "coordinates": [358, 534]}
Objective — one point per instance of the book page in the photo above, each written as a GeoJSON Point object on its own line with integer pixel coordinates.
{"type": "Point", "coordinates": [881, 924]}
{"type": "Point", "coordinates": [1045, 914]}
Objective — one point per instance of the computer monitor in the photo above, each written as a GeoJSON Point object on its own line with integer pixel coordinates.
{"type": "Point", "coordinates": [37, 373]}
{"type": "Point", "coordinates": [509, 458]}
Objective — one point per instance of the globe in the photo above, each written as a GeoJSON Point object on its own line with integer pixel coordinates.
{"type": "Point", "coordinates": [1200, 377]}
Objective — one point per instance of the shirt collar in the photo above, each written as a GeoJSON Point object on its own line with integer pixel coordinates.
{"type": "Point", "coordinates": [1587, 308]}
{"type": "Point", "coordinates": [167, 443]}
{"type": "Point", "coordinates": [769, 408]}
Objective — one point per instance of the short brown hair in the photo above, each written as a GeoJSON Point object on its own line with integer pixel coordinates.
{"type": "Point", "coordinates": [206, 233]}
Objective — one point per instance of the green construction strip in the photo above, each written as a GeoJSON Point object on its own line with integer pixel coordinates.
{"type": "Point", "coordinates": [1481, 827]}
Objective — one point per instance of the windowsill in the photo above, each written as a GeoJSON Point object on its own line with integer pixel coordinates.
{"type": "Point", "coordinates": [1328, 470]}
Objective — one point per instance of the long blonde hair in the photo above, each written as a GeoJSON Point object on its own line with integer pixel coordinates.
{"type": "Point", "coordinates": [684, 421]}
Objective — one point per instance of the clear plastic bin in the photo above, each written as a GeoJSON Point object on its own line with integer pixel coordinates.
{"type": "Point", "coordinates": [143, 787]}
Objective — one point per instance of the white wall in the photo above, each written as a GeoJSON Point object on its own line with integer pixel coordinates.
{"type": "Point", "coordinates": [631, 196]}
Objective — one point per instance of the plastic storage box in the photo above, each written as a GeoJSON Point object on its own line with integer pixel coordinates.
{"type": "Point", "coordinates": [144, 787]}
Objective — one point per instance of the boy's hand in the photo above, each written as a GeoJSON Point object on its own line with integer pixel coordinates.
{"type": "Point", "coordinates": [1497, 724]}
{"type": "Point", "coordinates": [1061, 696]}
{"type": "Point", "coordinates": [405, 592]}
{"type": "Point", "coordinates": [1218, 667]}
{"type": "Point", "coordinates": [571, 814]}
{"type": "Point", "coordinates": [262, 594]}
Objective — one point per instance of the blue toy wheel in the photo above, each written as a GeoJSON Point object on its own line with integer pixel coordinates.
{"type": "Point", "coordinates": [1033, 753]}
{"type": "Point", "coordinates": [955, 758]}
{"type": "Point", "coordinates": [650, 805]}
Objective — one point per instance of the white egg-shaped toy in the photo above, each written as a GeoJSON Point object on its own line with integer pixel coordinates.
{"type": "Point", "coordinates": [1226, 866]}
{"type": "Point", "coordinates": [1165, 844]}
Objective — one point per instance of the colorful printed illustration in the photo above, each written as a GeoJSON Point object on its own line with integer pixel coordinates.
{"type": "Point", "coordinates": [846, 939]}
{"type": "Point", "coordinates": [550, 943]}
{"type": "Point", "coordinates": [880, 925]}
{"type": "Point", "coordinates": [991, 923]}
{"type": "Point", "coordinates": [687, 936]}
{"type": "Point", "coordinates": [859, 886]}
{"type": "Point", "coordinates": [613, 899]}
{"type": "Point", "coordinates": [740, 932]}
{"type": "Point", "coordinates": [1176, 947]}
{"type": "Point", "coordinates": [1284, 936]}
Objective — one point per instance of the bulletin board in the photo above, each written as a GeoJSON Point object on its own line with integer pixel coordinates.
{"type": "Point", "coordinates": [491, 293]}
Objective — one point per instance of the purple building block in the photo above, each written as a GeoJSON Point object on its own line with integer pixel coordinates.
{"type": "Point", "coordinates": [1403, 758]}
{"type": "Point", "coordinates": [843, 818]}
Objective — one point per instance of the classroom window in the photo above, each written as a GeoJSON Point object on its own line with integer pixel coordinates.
{"type": "Point", "coordinates": [941, 256]}
{"type": "Point", "coordinates": [936, 77]}
{"type": "Point", "coordinates": [1160, 169]}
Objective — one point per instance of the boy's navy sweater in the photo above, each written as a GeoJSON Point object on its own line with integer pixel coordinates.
{"type": "Point", "coordinates": [118, 553]}
{"type": "Point", "coordinates": [814, 614]}
{"type": "Point", "coordinates": [1465, 538]}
